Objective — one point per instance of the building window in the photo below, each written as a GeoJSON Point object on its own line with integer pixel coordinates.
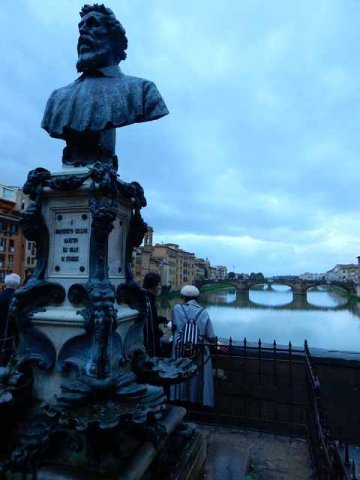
{"type": "Point", "coordinates": [11, 246]}
{"type": "Point", "coordinates": [9, 194]}
{"type": "Point", "coordinates": [13, 228]}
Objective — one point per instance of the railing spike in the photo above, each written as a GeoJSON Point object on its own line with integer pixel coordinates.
{"type": "Point", "coordinates": [347, 457]}
{"type": "Point", "coordinates": [340, 437]}
{"type": "Point", "coordinates": [353, 471]}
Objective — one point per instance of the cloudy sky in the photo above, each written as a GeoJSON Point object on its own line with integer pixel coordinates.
{"type": "Point", "coordinates": [257, 166]}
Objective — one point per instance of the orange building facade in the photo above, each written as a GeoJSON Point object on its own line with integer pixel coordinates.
{"type": "Point", "coordinates": [16, 253]}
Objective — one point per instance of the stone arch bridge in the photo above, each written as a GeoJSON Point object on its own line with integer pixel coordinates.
{"type": "Point", "coordinates": [298, 286]}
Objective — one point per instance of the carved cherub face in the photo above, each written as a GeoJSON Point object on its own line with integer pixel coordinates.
{"type": "Point", "coordinates": [95, 47]}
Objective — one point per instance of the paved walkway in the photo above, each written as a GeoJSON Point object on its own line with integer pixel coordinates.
{"type": "Point", "coordinates": [271, 457]}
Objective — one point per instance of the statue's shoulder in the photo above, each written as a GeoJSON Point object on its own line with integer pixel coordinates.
{"type": "Point", "coordinates": [153, 104]}
{"type": "Point", "coordinates": [138, 82]}
{"type": "Point", "coordinates": [59, 92]}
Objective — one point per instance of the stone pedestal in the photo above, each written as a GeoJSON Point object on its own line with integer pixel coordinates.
{"type": "Point", "coordinates": [68, 220]}
{"type": "Point", "coordinates": [74, 466]}
{"type": "Point", "coordinates": [145, 461]}
{"type": "Point", "coordinates": [100, 392]}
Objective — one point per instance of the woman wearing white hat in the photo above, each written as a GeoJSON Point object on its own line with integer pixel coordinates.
{"type": "Point", "coordinates": [200, 388]}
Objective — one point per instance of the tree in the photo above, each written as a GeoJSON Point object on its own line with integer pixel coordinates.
{"type": "Point", "coordinates": [231, 275]}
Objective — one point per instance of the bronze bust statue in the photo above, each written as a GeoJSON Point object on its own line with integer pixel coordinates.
{"type": "Point", "coordinates": [86, 113]}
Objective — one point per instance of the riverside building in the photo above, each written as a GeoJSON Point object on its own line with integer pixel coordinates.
{"type": "Point", "coordinates": [16, 253]}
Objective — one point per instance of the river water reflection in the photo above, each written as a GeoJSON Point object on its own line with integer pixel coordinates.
{"type": "Point", "coordinates": [324, 318]}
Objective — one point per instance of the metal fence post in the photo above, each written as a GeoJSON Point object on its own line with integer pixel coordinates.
{"type": "Point", "coordinates": [260, 363]}
{"type": "Point", "coordinates": [274, 365]}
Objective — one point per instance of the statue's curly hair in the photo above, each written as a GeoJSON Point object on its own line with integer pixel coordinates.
{"type": "Point", "coordinates": [116, 30]}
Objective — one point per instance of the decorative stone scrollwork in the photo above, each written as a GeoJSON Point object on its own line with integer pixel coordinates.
{"type": "Point", "coordinates": [33, 345]}
{"type": "Point", "coordinates": [35, 182]}
{"type": "Point", "coordinates": [89, 353]}
{"type": "Point", "coordinates": [32, 222]}
{"type": "Point", "coordinates": [15, 383]}
{"type": "Point", "coordinates": [67, 183]}
{"type": "Point", "coordinates": [108, 403]}
{"type": "Point", "coordinates": [36, 441]}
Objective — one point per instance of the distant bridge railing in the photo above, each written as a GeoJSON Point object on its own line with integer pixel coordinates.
{"type": "Point", "coordinates": [297, 285]}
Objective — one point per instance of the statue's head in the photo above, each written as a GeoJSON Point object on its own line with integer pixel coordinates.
{"type": "Point", "coordinates": [102, 40]}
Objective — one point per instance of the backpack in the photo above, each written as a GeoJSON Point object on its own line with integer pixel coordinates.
{"type": "Point", "coordinates": [188, 341]}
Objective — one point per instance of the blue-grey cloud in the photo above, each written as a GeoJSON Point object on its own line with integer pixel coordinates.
{"type": "Point", "coordinates": [257, 164]}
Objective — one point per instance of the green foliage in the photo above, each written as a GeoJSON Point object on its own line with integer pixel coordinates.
{"type": "Point", "coordinates": [340, 291]}
{"type": "Point", "coordinates": [354, 298]}
{"type": "Point", "coordinates": [258, 277]}
{"type": "Point", "coordinates": [250, 476]}
{"type": "Point", "coordinates": [215, 286]}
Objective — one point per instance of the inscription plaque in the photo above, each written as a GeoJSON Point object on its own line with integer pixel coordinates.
{"type": "Point", "coordinates": [71, 242]}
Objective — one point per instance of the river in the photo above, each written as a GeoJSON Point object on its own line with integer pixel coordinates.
{"type": "Point", "coordinates": [324, 318]}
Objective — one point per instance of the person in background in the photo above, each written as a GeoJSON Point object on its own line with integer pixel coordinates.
{"type": "Point", "coordinates": [11, 282]}
{"type": "Point", "coordinates": [200, 389]}
{"type": "Point", "coordinates": [152, 330]}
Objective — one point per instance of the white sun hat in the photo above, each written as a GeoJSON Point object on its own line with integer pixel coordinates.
{"type": "Point", "coordinates": [189, 291]}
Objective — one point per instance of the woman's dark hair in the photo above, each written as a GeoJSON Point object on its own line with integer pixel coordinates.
{"type": "Point", "coordinates": [151, 280]}
{"type": "Point", "coordinates": [187, 299]}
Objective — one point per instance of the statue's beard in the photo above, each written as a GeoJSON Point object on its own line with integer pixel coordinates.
{"type": "Point", "coordinates": [93, 59]}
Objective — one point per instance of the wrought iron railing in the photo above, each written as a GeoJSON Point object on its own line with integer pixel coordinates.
{"type": "Point", "coordinates": [329, 456]}
{"type": "Point", "coordinates": [256, 385]}
{"type": "Point", "coordinates": [275, 389]}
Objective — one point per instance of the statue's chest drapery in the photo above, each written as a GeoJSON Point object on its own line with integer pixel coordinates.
{"type": "Point", "coordinates": [96, 103]}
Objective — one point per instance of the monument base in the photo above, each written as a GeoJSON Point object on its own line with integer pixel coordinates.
{"type": "Point", "coordinates": [181, 456]}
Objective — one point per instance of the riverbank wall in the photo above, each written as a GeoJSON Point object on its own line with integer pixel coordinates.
{"type": "Point", "coordinates": [266, 389]}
